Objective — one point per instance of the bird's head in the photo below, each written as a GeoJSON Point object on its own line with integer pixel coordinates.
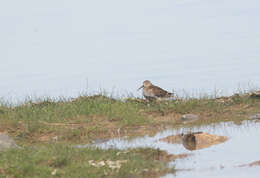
{"type": "Point", "coordinates": [146, 84]}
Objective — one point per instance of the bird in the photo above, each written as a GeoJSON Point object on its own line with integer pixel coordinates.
{"type": "Point", "coordinates": [152, 92]}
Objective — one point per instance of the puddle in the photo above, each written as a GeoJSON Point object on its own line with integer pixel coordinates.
{"type": "Point", "coordinates": [221, 160]}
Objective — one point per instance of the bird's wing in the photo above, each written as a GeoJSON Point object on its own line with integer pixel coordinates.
{"type": "Point", "coordinates": [159, 92]}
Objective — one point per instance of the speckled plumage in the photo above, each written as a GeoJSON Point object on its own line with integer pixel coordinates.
{"type": "Point", "coordinates": [151, 91]}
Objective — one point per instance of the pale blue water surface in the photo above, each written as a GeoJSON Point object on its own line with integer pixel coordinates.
{"type": "Point", "coordinates": [218, 161]}
{"type": "Point", "coordinates": [63, 47]}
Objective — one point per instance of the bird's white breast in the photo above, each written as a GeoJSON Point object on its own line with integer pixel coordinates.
{"type": "Point", "coordinates": [148, 93]}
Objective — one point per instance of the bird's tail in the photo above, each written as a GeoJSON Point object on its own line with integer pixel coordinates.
{"type": "Point", "coordinates": [170, 94]}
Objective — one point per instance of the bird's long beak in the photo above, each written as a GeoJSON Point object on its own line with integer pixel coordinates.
{"type": "Point", "coordinates": [140, 87]}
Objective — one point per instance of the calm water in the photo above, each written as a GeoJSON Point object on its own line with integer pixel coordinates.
{"type": "Point", "coordinates": [220, 160]}
{"type": "Point", "coordinates": [63, 47]}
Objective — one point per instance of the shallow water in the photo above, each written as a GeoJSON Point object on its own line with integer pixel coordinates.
{"type": "Point", "coordinates": [220, 160]}
{"type": "Point", "coordinates": [66, 47]}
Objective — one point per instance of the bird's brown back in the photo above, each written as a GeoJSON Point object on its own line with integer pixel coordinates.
{"type": "Point", "coordinates": [159, 92]}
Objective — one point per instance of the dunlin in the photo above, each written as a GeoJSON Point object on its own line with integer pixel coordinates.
{"type": "Point", "coordinates": [152, 92]}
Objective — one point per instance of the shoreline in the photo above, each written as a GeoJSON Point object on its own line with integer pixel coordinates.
{"type": "Point", "coordinates": [51, 125]}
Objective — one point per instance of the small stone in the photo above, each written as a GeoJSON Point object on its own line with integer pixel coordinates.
{"type": "Point", "coordinates": [6, 142]}
{"type": "Point", "coordinates": [200, 140]}
{"type": "Point", "coordinates": [99, 141]}
{"type": "Point", "coordinates": [189, 118]}
{"type": "Point", "coordinates": [55, 138]}
{"type": "Point", "coordinates": [256, 116]}
{"type": "Point", "coordinates": [111, 164]}
{"type": "Point", "coordinates": [255, 94]}
{"type": "Point", "coordinates": [256, 163]}
{"type": "Point", "coordinates": [53, 173]}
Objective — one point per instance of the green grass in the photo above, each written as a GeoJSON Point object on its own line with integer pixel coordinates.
{"type": "Point", "coordinates": [42, 161]}
{"type": "Point", "coordinates": [93, 113]}
{"type": "Point", "coordinates": [88, 117]}
{"type": "Point", "coordinates": [63, 111]}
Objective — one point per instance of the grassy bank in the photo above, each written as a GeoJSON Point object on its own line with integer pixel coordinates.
{"type": "Point", "coordinates": [90, 117]}
{"type": "Point", "coordinates": [46, 129]}
{"type": "Point", "coordinates": [64, 161]}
